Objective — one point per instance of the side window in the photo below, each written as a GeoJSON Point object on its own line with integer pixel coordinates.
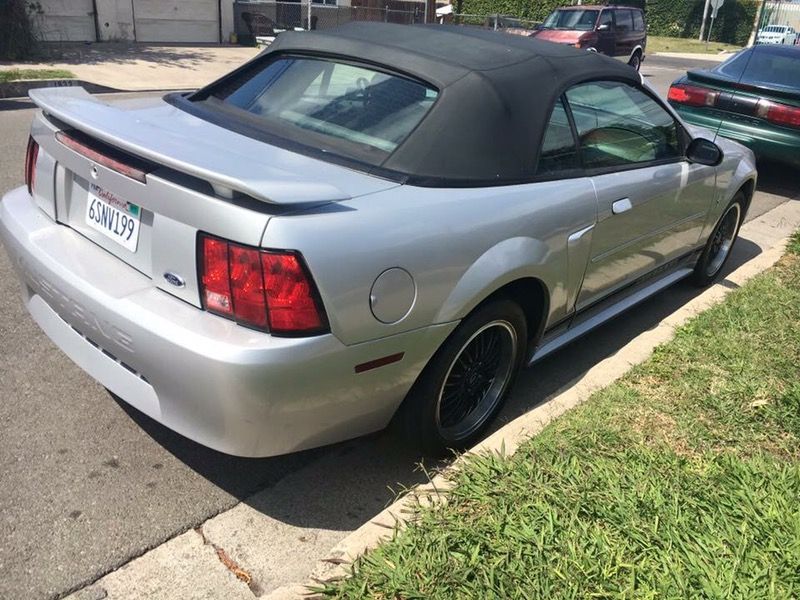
{"type": "Point", "coordinates": [607, 18]}
{"type": "Point", "coordinates": [638, 20]}
{"type": "Point", "coordinates": [558, 152]}
{"type": "Point", "coordinates": [624, 20]}
{"type": "Point", "coordinates": [619, 125]}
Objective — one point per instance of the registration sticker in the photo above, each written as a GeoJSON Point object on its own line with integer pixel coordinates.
{"type": "Point", "coordinates": [114, 217]}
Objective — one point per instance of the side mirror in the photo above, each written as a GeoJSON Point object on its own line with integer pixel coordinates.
{"type": "Point", "coordinates": [704, 152]}
{"type": "Point", "coordinates": [604, 27]}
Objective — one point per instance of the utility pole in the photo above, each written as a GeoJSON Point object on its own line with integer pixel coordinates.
{"type": "Point", "coordinates": [430, 11]}
{"type": "Point", "coordinates": [703, 22]}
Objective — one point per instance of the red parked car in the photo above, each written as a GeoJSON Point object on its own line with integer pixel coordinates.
{"type": "Point", "coordinates": [618, 31]}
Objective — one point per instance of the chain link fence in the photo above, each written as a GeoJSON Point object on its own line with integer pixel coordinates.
{"type": "Point", "coordinates": [495, 22]}
{"type": "Point", "coordinates": [779, 24]}
{"type": "Point", "coordinates": [261, 21]}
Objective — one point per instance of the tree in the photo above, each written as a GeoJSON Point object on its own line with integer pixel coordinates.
{"type": "Point", "coordinates": [17, 37]}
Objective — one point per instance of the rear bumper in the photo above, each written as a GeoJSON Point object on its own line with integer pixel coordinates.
{"type": "Point", "coordinates": [238, 391]}
{"type": "Point", "coordinates": [766, 141]}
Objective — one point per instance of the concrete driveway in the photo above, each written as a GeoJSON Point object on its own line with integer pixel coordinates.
{"type": "Point", "coordinates": [88, 483]}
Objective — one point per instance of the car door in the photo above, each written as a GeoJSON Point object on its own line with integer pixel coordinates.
{"type": "Point", "coordinates": [639, 34]}
{"type": "Point", "coordinates": [652, 203]}
{"type": "Point", "coordinates": [606, 36]}
{"type": "Point", "coordinates": [623, 19]}
{"type": "Point", "coordinates": [559, 161]}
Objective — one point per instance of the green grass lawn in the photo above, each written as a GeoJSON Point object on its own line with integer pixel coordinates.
{"type": "Point", "coordinates": [22, 74]}
{"type": "Point", "coordinates": [668, 44]}
{"type": "Point", "coordinates": [681, 480]}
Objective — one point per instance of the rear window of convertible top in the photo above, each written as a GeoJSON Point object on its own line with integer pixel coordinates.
{"type": "Point", "coordinates": [344, 108]}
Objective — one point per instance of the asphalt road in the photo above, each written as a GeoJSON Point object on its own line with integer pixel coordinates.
{"type": "Point", "coordinates": [86, 484]}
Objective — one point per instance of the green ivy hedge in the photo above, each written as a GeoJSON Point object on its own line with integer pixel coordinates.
{"type": "Point", "coordinates": [682, 18]}
{"type": "Point", "coordinates": [675, 18]}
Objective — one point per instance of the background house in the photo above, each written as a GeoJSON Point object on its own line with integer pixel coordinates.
{"type": "Point", "coordinates": [203, 21]}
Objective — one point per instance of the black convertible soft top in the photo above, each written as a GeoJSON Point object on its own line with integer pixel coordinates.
{"type": "Point", "coordinates": [496, 92]}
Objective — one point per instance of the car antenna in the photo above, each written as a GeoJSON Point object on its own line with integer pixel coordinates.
{"type": "Point", "coordinates": [752, 50]}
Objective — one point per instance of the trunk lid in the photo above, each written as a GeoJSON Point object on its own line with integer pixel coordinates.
{"type": "Point", "coordinates": [720, 82]}
{"type": "Point", "coordinates": [168, 136]}
{"type": "Point", "coordinates": [195, 176]}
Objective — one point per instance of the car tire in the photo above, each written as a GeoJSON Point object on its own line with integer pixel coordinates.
{"type": "Point", "coordinates": [720, 243]}
{"type": "Point", "coordinates": [466, 382]}
{"type": "Point", "coordinates": [636, 60]}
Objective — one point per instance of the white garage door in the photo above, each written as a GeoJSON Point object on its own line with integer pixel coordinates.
{"type": "Point", "coordinates": [65, 20]}
{"type": "Point", "coordinates": [176, 20]}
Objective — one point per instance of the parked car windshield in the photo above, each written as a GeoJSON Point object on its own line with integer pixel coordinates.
{"type": "Point", "coordinates": [357, 111]}
{"type": "Point", "coordinates": [582, 20]}
{"type": "Point", "coordinates": [764, 67]}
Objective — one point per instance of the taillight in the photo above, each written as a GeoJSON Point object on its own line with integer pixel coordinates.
{"type": "Point", "coordinates": [216, 278]}
{"type": "Point", "coordinates": [692, 95]}
{"type": "Point", "coordinates": [263, 289]}
{"type": "Point", "coordinates": [779, 114]}
{"type": "Point", "coordinates": [247, 286]}
{"type": "Point", "coordinates": [30, 164]}
{"type": "Point", "coordinates": [291, 295]}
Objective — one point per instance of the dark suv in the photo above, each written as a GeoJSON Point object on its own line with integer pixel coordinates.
{"type": "Point", "coordinates": [614, 30]}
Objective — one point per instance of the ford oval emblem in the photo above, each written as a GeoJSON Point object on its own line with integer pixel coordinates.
{"type": "Point", "coordinates": [174, 279]}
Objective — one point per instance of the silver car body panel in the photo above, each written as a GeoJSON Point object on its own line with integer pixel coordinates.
{"type": "Point", "coordinates": [249, 393]}
{"type": "Point", "coordinates": [233, 389]}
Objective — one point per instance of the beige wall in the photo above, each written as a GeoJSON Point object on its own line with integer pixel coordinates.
{"type": "Point", "coordinates": [65, 20]}
{"type": "Point", "coordinates": [149, 20]}
{"type": "Point", "coordinates": [176, 20]}
{"type": "Point", "coordinates": [227, 20]}
{"type": "Point", "coordinates": [116, 20]}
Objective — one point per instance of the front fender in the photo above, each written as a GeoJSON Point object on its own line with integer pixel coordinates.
{"type": "Point", "coordinates": [505, 262]}
{"type": "Point", "coordinates": [737, 170]}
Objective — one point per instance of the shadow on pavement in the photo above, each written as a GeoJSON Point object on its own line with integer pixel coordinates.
{"type": "Point", "coordinates": [185, 56]}
{"type": "Point", "coordinates": [15, 104]}
{"type": "Point", "coordinates": [778, 180]}
{"type": "Point", "coordinates": [348, 483]}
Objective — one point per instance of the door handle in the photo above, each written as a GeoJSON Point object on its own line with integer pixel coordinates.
{"type": "Point", "coordinates": [622, 205]}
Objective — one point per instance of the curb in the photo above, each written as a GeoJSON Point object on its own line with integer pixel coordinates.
{"type": "Point", "coordinates": [722, 56]}
{"type": "Point", "coordinates": [20, 89]}
{"type": "Point", "coordinates": [782, 220]}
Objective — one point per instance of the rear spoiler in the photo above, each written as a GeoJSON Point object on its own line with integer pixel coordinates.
{"type": "Point", "coordinates": [174, 143]}
{"type": "Point", "coordinates": [706, 76]}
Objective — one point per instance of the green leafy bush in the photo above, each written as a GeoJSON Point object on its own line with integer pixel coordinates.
{"type": "Point", "coordinates": [683, 18]}
{"type": "Point", "coordinates": [17, 38]}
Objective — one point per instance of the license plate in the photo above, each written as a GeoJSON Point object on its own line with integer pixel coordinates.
{"type": "Point", "coordinates": [112, 216]}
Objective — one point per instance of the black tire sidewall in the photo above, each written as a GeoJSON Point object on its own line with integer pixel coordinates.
{"type": "Point", "coordinates": [700, 278]}
{"type": "Point", "coordinates": [421, 404]}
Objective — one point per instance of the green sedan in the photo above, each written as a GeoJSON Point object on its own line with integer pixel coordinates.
{"type": "Point", "coordinates": [753, 98]}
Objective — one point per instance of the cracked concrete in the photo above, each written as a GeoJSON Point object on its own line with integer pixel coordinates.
{"type": "Point", "coordinates": [184, 567]}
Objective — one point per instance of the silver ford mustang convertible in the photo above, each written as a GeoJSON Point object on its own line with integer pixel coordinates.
{"type": "Point", "coordinates": [363, 224]}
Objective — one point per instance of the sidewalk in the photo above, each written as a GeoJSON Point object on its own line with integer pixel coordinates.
{"type": "Point", "coordinates": [722, 56]}
{"type": "Point", "coordinates": [136, 67]}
